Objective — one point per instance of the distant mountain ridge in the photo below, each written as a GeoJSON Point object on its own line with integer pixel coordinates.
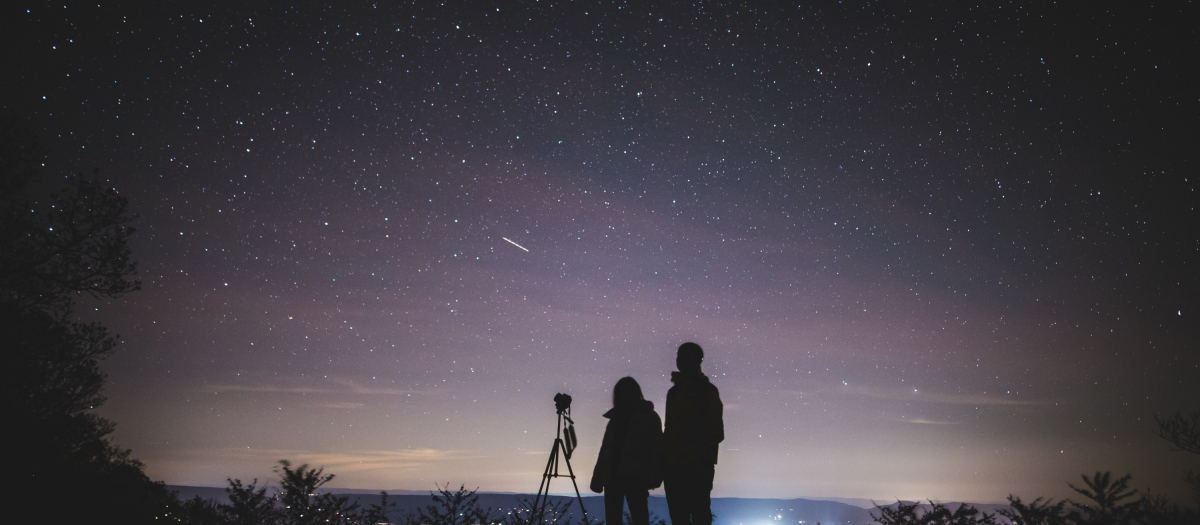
{"type": "Point", "coordinates": [727, 511]}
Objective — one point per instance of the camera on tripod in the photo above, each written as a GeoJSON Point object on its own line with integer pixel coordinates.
{"type": "Point", "coordinates": [562, 402]}
{"type": "Point", "coordinates": [564, 444]}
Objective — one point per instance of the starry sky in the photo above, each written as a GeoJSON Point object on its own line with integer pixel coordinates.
{"type": "Point", "coordinates": [940, 252]}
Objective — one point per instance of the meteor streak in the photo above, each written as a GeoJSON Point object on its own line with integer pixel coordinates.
{"type": "Point", "coordinates": [513, 243]}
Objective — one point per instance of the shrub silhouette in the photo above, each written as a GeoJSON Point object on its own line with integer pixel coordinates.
{"type": "Point", "coordinates": [1183, 431]}
{"type": "Point", "coordinates": [54, 249]}
{"type": "Point", "coordinates": [936, 514]}
{"type": "Point", "coordinates": [1036, 512]}
{"type": "Point", "coordinates": [248, 505]}
{"type": "Point", "coordinates": [460, 507]}
{"type": "Point", "coordinates": [202, 511]}
{"type": "Point", "coordinates": [297, 503]}
{"type": "Point", "coordinates": [555, 513]}
{"type": "Point", "coordinates": [302, 505]}
{"type": "Point", "coordinates": [1109, 502]}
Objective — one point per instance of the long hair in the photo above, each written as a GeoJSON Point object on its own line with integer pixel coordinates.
{"type": "Point", "coordinates": [627, 393]}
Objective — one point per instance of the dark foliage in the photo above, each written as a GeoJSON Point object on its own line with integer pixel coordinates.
{"type": "Point", "coordinates": [1192, 479]}
{"type": "Point", "coordinates": [524, 514]}
{"type": "Point", "coordinates": [56, 245]}
{"type": "Point", "coordinates": [248, 505]}
{"type": "Point", "coordinates": [933, 514]}
{"type": "Point", "coordinates": [377, 512]}
{"type": "Point", "coordinates": [199, 511]}
{"type": "Point", "coordinates": [1183, 431]}
{"type": "Point", "coordinates": [1036, 512]}
{"type": "Point", "coordinates": [298, 502]}
{"type": "Point", "coordinates": [1158, 510]}
{"type": "Point", "coordinates": [303, 505]}
{"type": "Point", "coordinates": [1110, 501]}
{"type": "Point", "coordinates": [460, 507]}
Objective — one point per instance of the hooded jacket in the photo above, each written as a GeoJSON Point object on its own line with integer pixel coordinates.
{"type": "Point", "coordinates": [694, 421]}
{"type": "Point", "coordinates": [634, 459]}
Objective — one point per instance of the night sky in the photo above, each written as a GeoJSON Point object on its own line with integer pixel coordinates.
{"type": "Point", "coordinates": [930, 252]}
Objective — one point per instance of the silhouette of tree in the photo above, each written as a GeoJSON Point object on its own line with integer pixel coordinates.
{"type": "Point", "coordinates": [199, 511]}
{"type": "Point", "coordinates": [54, 249]}
{"type": "Point", "coordinates": [377, 512]}
{"type": "Point", "coordinates": [303, 505]}
{"type": "Point", "coordinates": [460, 507]}
{"type": "Point", "coordinates": [1158, 510]}
{"type": "Point", "coordinates": [1035, 512]}
{"type": "Point", "coordinates": [297, 503]}
{"type": "Point", "coordinates": [555, 511]}
{"type": "Point", "coordinates": [1110, 501]}
{"type": "Point", "coordinates": [936, 514]}
{"type": "Point", "coordinates": [249, 505]}
{"type": "Point", "coordinates": [1183, 431]}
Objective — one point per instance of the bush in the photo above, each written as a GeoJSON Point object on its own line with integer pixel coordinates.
{"type": "Point", "coordinates": [1109, 502]}
{"type": "Point", "coordinates": [297, 503]}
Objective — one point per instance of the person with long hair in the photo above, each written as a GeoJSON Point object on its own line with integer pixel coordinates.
{"type": "Point", "coordinates": [630, 462]}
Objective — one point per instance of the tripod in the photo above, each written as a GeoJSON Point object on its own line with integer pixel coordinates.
{"type": "Point", "coordinates": [564, 430]}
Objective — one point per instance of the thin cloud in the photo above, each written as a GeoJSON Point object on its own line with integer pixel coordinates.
{"type": "Point", "coordinates": [340, 462]}
{"type": "Point", "coordinates": [916, 395]}
{"type": "Point", "coordinates": [929, 422]}
{"type": "Point", "coordinates": [340, 406]}
{"type": "Point", "coordinates": [341, 386]}
{"type": "Point", "coordinates": [268, 388]}
{"type": "Point", "coordinates": [919, 421]}
{"type": "Point", "coordinates": [358, 388]}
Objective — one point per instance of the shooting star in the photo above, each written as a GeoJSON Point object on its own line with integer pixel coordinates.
{"type": "Point", "coordinates": [513, 243]}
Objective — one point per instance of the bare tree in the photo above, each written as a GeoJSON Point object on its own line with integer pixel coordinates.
{"type": "Point", "coordinates": [1183, 431]}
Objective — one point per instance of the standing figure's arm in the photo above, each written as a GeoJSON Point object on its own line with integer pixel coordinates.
{"type": "Point", "coordinates": [714, 416]}
{"type": "Point", "coordinates": [600, 473]}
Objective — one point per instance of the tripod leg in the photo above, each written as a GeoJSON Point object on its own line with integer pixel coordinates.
{"type": "Point", "coordinates": [543, 495]}
{"type": "Point", "coordinates": [578, 496]}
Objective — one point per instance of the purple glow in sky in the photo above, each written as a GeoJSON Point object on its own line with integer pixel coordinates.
{"type": "Point", "coordinates": [942, 253]}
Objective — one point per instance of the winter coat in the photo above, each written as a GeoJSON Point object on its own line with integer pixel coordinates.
{"type": "Point", "coordinates": [694, 421]}
{"type": "Point", "coordinates": [634, 461]}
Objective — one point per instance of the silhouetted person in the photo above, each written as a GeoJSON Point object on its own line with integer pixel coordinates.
{"type": "Point", "coordinates": [630, 462]}
{"type": "Point", "coordinates": [694, 428]}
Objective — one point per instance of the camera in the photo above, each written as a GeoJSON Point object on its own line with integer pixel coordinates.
{"type": "Point", "coordinates": [562, 402]}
